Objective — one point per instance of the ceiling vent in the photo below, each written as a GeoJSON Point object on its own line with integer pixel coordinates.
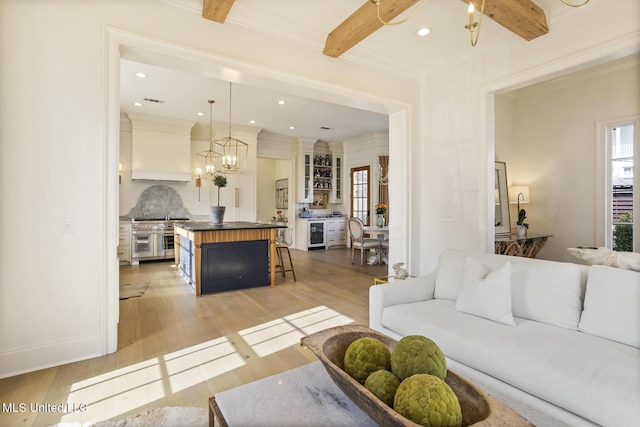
{"type": "Point", "coordinates": [157, 101]}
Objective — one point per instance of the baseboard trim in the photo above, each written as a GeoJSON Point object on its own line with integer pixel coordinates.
{"type": "Point", "coordinates": [21, 361]}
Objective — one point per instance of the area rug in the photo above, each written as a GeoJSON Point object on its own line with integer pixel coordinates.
{"type": "Point", "coordinates": [178, 416]}
{"type": "Point", "coordinates": [132, 290]}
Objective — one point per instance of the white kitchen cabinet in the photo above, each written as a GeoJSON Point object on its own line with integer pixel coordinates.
{"type": "Point", "coordinates": [305, 193]}
{"type": "Point", "coordinates": [336, 230]}
{"type": "Point", "coordinates": [124, 242]}
{"type": "Point", "coordinates": [337, 179]}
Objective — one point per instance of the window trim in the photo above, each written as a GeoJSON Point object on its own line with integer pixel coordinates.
{"type": "Point", "coordinates": [603, 196]}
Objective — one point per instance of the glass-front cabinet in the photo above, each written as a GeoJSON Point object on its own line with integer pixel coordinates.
{"type": "Point", "coordinates": [305, 190]}
{"type": "Point", "coordinates": [336, 196]}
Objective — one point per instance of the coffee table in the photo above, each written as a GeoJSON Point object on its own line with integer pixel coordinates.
{"type": "Point", "coordinates": [304, 396]}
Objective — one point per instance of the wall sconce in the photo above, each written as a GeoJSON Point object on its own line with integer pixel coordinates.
{"type": "Point", "coordinates": [198, 181]}
{"type": "Point", "coordinates": [473, 25]}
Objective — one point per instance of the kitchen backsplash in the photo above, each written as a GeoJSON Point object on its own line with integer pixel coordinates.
{"type": "Point", "coordinates": [158, 201]}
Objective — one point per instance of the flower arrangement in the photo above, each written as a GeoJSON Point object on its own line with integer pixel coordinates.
{"type": "Point", "coordinates": [380, 208]}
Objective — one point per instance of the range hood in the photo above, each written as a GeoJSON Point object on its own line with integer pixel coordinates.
{"type": "Point", "coordinates": [160, 148]}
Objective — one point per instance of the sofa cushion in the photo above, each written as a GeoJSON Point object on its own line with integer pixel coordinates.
{"type": "Point", "coordinates": [590, 376]}
{"type": "Point", "coordinates": [546, 291]}
{"type": "Point", "coordinates": [611, 305]}
{"type": "Point", "coordinates": [449, 274]}
{"type": "Point", "coordinates": [486, 293]}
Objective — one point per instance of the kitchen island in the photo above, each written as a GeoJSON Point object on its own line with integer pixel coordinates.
{"type": "Point", "coordinates": [234, 255]}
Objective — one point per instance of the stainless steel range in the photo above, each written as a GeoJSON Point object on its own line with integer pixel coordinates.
{"type": "Point", "coordinates": [152, 239]}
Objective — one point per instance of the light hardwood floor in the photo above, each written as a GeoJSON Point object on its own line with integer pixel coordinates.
{"type": "Point", "coordinates": [178, 350]}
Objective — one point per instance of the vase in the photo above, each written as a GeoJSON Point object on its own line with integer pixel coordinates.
{"type": "Point", "coordinates": [380, 220]}
{"type": "Point", "coordinates": [522, 230]}
{"type": "Point", "coordinates": [217, 214]}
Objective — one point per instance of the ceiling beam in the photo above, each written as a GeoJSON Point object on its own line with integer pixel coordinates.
{"type": "Point", "coordinates": [362, 23]}
{"type": "Point", "coordinates": [522, 17]}
{"type": "Point", "coordinates": [216, 10]}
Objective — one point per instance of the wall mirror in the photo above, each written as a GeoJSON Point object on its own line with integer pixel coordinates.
{"type": "Point", "coordinates": [502, 220]}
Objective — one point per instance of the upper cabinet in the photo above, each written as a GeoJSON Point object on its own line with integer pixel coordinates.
{"type": "Point", "coordinates": [320, 170]}
{"type": "Point", "coordinates": [305, 171]}
{"type": "Point", "coordinates": [337, 166]}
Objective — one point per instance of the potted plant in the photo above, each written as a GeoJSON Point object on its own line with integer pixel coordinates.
{"type": "Point", "coordinates": [521, 225]}
{"type": "Point", "coordinates": [217, 212]}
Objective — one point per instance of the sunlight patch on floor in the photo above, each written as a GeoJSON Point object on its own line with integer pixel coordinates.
{"type": "Point", "coordinates": [125, 389]}
{"type": "Point", "coordinates": [271, 337]}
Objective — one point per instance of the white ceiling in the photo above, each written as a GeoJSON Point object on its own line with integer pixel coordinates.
{"type": "Point", "coordinates": [182, 94]}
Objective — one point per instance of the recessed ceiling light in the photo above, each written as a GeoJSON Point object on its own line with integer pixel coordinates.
{"type": "Point", "coordinates": [141, 75]}
{"type": "Point", "coordinates": [281, 102]}
{"type": "Point", "coordinates": [423, 31]}
{"type": "Point", "coordinates": [252, 121]}
{"type": "Point", "coordinates": [138, 104]}
{"type": "Point", "coordinates": [292, 127]}
{"type": "Point", "coordinates": [200, 113]}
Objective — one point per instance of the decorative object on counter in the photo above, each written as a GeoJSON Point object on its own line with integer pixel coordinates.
{"type": "Point", "coordinates": [522, 196]}
{"type": "Point", "coordinates": [399, 272]}
{"type": "Point", "coordinates": [217, 212]}
{"type": "Point", "coordinates": [606, 256]}
{"type": "Point", "coordinates": [320, 200]}
{"type": "Point", "coordinates": [522, 226]}
{"type": "Point", "coordinates": [380, 209]}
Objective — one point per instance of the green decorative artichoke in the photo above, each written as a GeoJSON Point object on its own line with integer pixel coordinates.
{"type": "Point", "coordinates": [428, 401]}
{"type": "Point", "coordinates": [383, 384]}
{"type": "Point", "coordinates": [365, 356]}
{"type": "Point", "coordinates": [415, 354]}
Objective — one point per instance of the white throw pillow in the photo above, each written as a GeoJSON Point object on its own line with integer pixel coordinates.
{"type": "Point", "coordinates": [486, 293]}
{"type": "Point", "coordinates": [612, 305]}
{"type": "Point", "coordinates": [448, 275]}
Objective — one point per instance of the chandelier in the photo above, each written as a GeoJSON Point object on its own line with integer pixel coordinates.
{"type": "Point", "coordinates": [227, 154]}
{"type": "Point", "coordinates": [473, 26]}
{"type": "Point", "coordinates": [212, 156]}
{"type": "Point", "coordinates": [234, 152]}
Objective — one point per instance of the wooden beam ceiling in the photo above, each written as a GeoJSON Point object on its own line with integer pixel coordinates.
{"type": "Point", "coordinates": [361, 24]}
{"type": "Point", "coordinates": [216, 10]}
{"type": "Point", "coordinates": [522, 17]}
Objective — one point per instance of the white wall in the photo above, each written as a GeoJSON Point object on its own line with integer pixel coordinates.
{"type": "Point", "coordinates": [456, 144]}
{"type": "Point", "coordinates": [59, 160]}
{"type": "Point", "coordinates": [553, 145]}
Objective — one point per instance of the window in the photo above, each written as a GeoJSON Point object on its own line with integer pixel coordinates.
{"type": "Point", "coordinates": [360, 193]}
{"type": "Point", "coordinates": [620, 156]}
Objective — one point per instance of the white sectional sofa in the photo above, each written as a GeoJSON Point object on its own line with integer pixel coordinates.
{"type": "Point", "coordinates": [563, 337]}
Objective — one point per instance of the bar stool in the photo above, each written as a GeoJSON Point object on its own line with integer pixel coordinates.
{"type": "Point", "coordinates": [283, 241]}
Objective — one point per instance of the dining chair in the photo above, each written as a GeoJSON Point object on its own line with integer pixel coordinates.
{"type": "Point", "coordinates": [358, 241]}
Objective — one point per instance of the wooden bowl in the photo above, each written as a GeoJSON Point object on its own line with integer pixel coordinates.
{"type": "Point", "coordinates": [478, 408]}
